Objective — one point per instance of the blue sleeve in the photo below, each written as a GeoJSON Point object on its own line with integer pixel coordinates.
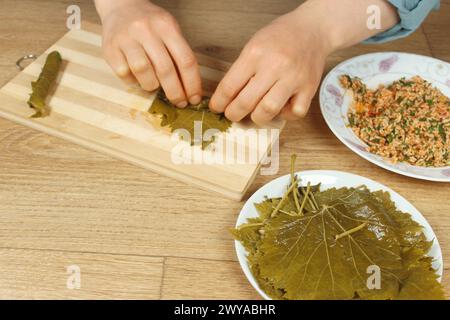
{"type": "Point", "coordinates": [412, 13]}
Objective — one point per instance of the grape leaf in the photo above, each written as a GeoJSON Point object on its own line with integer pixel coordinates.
{"type": "Point", "coordinates": [421, 282]}
{"type": "Point", "coordinates": [326, 268]}
{"type": "Point", "coordinates": [324, 250]}
{"type": "Point", "coordinates": [185, 118]}
{"type": "Point", "coordinates": [41, 87]}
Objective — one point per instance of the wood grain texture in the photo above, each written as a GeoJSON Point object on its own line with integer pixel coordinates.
{"type": "Point", "coordinates": [38, 274]}
{"type": "Point", "coordinates": [434, 30]}
{"type": "Point", "coordinates": [59, 200]}
{"type": "Point", "coordinates": [227, 277]}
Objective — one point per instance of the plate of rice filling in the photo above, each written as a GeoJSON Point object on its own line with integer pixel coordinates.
{"type": "Point", "coordinates": [393, 109]}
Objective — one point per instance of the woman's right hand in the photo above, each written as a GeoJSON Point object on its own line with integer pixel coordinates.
{"type": "Point", "coordinates": [142, 42]}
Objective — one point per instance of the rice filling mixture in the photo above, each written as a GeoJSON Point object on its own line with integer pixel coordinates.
{"type": "Point", "coordinates": [406, 121]}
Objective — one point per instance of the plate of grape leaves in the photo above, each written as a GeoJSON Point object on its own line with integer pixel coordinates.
{"type": "Point", "coordinates": [325, 234]}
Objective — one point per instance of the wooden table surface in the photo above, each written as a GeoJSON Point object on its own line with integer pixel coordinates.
{"type": "Point", "coordinates": [136, 234]}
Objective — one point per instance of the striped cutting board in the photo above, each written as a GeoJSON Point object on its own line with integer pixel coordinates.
{"type": "Point", "coordinates": [91, 107]}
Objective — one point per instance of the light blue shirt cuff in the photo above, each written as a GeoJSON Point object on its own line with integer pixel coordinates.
{"type": "Point", "coordinates": [412, 13]}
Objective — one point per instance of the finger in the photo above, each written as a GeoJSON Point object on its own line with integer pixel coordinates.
{"type": "Point", "coordinates": [118, 63]}
{"type": "Point", "coordinates": [246, 101]}
{"type": "Point", "coordinates": [272, 103]}
{"type": "Point", "coordinates": [187, 66]}
{"type": "Point", "coordinates": [140, 65]}
{"type": "Point", "coordinates": [298, 106]}
{"type": "Point", "coordinates": [233, 82]}
{"type": "Point", "coordinates": [164, 67]}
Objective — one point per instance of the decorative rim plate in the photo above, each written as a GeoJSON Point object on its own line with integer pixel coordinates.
{"type": "Point", "coordinates": [374, 69]}
{"type": "Point", "coordinates": [329, 179]}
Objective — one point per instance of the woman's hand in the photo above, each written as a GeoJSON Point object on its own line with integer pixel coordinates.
{"type": "Point", "coordinates": [278, 71]}
{"type": "Point", "coordinates": [143, 42]}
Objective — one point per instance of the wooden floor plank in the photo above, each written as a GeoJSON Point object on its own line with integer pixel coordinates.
{"type": "Point", "coordinates": [41, 274]}
{"type": "Point", "coordinates": [211, 280]}
{"type": "Point", "coordinates": [437, 28]}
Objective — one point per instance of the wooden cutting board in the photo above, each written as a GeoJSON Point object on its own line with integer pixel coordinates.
{"type": "Point", "coordinates": [91, 107]}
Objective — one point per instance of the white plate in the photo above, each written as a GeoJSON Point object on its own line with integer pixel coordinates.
{"type": "Point", "coordinates": [329, 179]}
{"type": "Point", "coordinates": [374, 69]}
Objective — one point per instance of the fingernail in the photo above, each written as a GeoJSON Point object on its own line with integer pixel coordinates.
{"type": "Point", "coordinates": [213, 107]}
{"type": "Point", "coordinates": [195, 99]}
{"type": "Point", "coordinates": [133, 84]}
{"type": "Point", "coordinates": [122, 71]}
{"type": "Point", "coordinates": [299, 110]}
{"type": "Point", "coordinates": [182, 104]}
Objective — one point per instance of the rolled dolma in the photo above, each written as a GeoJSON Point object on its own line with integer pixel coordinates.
{"type": "Point", "coordinates": [41, 87]}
